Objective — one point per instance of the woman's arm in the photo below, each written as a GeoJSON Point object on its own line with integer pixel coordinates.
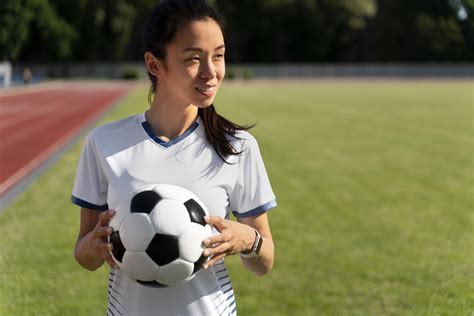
{"type": "Point", "coordinates": [237, 237]}
{"type": "Point", "coordinates": [262, 263]}
{"type": "Point", "coordinates": [92, 248]}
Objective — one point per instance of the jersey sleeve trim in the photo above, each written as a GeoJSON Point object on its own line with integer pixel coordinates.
{"type": "Point", "coordinates": [258, 210]}
{"type": "Point", "coordinates": [88, 205]}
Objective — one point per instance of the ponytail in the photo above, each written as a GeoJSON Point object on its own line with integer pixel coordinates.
{"type": "Point", "coordinates": [218, 129]}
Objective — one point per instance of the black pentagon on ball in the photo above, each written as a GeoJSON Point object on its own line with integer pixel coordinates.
{"type": "Point", "coordinates": [163, 249]}
{"type": "Point", "coordinates": [198, 264]}
{"type": "Point", "coordinates": [195, 212]}
{"type": "Point", "coordinates": [144, 202]}
{"type": "Point", "coordinates": [118, 249]}
{"type": "Point", "coordinates": [152, 284]}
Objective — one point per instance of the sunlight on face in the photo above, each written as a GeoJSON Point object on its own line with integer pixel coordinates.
{"type": "Point", "coordinates": [195, 64]}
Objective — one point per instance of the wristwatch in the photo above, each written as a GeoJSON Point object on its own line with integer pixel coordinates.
{"type": "Point", "coordinates": [255, 248]}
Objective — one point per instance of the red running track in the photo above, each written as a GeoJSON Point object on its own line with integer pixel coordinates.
{"type": "Point", "coordinates": [37, 122]}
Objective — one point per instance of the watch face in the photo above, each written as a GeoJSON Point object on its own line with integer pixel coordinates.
{"type": "Point", "coordinates": [259, 244]}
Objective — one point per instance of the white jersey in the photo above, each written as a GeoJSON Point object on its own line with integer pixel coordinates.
{"type": "Point", "coordinates": [121, 157]}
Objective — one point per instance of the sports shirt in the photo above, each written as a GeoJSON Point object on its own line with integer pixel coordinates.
{"type": "Point", "coordinates": [120, 157]}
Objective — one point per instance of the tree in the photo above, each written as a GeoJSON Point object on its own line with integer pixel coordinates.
{"type": "Point", "coordinates": [293, 30]}
{"type": "Point", "coordinates": [464, 11]}
{"type": "Point", "coordinates": [33, 27]}
{"type": "Point", "coordinates": [135, 47]}
{"type": "Point", "coordinates": [104, 27]}
{"type": "Point", "coordinates": [14, 25]}
{"type": "Point", "coordinates": [257, 30]}
{"type": "Point", "coordinates": [419, 31]}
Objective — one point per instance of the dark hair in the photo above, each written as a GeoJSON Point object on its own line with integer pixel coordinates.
{"type": "Point", "coordinates": [160, 28]}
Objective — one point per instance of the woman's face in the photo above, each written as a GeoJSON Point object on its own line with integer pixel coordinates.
{"type": "Point", "coordinates": [194, 66]}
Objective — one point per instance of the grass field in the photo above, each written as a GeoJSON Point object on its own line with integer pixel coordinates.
{"type": "Point", "coordinates": [375, 186]}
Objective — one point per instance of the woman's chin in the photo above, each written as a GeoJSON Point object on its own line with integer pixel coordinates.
{"type": "Point", "coordinates": [205, 104]}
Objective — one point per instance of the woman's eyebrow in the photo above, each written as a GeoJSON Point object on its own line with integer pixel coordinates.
{"type": "Point", "coordinates": [197, 49]}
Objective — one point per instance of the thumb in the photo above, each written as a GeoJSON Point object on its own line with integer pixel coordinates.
{"type": "Point", "coordinates": [216, 221]}
{"type": "Point", "coordinates": [105, 217]}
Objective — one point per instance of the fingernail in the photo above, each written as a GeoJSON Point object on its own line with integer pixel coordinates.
{"type": "Point", "coordinates": [206, 242]}
{"type": "Point", "coordinates": [206, 266]}
{"type": "Point", "coordinates": [206, 252]}
{"type": "Point", "coordinates": [206, 218]}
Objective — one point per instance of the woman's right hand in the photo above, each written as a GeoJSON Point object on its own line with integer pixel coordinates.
{"type": "Point", "coordinates": [92, 247]}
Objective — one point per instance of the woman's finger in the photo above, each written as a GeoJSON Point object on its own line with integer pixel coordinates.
{"type": "Point", "coordinates": [102, 232]}
{"type": "Point", "coordinates": [215, 240]}
{"type": "Point", "coordinates": [216, 221]}
{"type": "Point", "coordinates": [214, 260]}
{"type": "Point", "coordinates": [104, 246]}
{"type": "Point", "coordinates": [108, 258]}
{"type": "Point", "coordinates": [105, 217]}
{"type": "Point", "coordinates": [104, 251]}
{"type": "Point", "coordinates": [222, 248]}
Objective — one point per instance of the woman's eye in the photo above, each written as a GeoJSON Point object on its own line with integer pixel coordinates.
{"type": "Point", "coordinates": [219, 56]}
{"type": "Point", "coordinates": [192, 60]}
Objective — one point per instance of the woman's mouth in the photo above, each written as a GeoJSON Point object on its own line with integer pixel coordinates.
{"type": "Point", "coordinates": [207, 91]}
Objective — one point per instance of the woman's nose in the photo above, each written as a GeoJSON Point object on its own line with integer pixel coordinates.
{"type": "Point", "coordinates": [208, 70]}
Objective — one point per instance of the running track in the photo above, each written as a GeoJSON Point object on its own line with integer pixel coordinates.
{"type": "Point", "coordinates": [37, 122]}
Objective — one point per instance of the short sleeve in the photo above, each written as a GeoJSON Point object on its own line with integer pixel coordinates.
{"type": "Point", "coordinates": [252, 193]}
{"type": "Point", "coordinates": [90, 185]}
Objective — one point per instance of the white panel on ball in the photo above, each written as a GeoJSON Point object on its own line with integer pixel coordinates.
{"type": "Point", "coordinates": [138, 265]}
{"type": "Point", "coordinates": [190, 241]}
{"type": "Point", "coordinates": [136, 231]}
{"type": "Point", "coordinates": [167, 191]}
{"type": "Point", "coordinates": [175, 272]}
{"type": "Point", "coordinates": [122, 210]}
{"type": "Point", "coordinates": [170, 217]}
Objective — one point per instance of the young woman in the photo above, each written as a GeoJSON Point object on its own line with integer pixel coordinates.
{"type": "Point", "coordinates": [180, 140]}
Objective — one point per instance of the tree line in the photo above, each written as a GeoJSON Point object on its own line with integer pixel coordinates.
{"type": "Point", "coordinates": [257, 31]}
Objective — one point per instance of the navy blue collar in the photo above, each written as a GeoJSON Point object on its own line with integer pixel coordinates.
{"type": "Point", "coordinates": [170, 143]}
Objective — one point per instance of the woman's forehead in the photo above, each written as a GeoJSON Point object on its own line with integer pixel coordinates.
{"type": "Point", "coordinates": [199, 34]}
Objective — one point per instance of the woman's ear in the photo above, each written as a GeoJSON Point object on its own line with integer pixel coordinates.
{"type": "Point", "coordinates": [153, 65]}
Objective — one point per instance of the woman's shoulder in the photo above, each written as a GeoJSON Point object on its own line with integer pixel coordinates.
{"type": "Point", "coordinates": [243, 140]}
{"type": "Point", "coordinates": [242, 136]}
{"type": "Point", "coordinates": [116, 128]}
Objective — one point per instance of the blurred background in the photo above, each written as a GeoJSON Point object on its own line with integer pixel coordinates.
{"type": "Point", "coordinates": [367, 136]}
{"type": "Point", "coordinates": [265, 38]}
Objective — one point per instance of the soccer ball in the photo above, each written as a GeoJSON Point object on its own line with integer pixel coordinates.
{"type": "Point", "coordinates": [158, 234]}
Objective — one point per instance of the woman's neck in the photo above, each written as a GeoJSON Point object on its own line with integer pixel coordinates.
{"type": "Point", "coordinates": [169, 121]}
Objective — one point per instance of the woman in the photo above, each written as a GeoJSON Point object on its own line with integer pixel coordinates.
{"type": "Point", "coordinates": [180, 140]}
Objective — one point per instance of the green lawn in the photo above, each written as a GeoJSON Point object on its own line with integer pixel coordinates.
{"type": "Point", "coordinates": [375, 186]}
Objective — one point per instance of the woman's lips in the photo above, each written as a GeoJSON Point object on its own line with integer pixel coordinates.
{"type": "Point", "coordinates": [207, 91]}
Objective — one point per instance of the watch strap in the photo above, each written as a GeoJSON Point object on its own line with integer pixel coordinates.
{"type": "Point", "coordinates": [257, 245]}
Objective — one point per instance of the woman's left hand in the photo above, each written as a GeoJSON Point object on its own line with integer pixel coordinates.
{"type": "Point", "coordinates": [234, 238]}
